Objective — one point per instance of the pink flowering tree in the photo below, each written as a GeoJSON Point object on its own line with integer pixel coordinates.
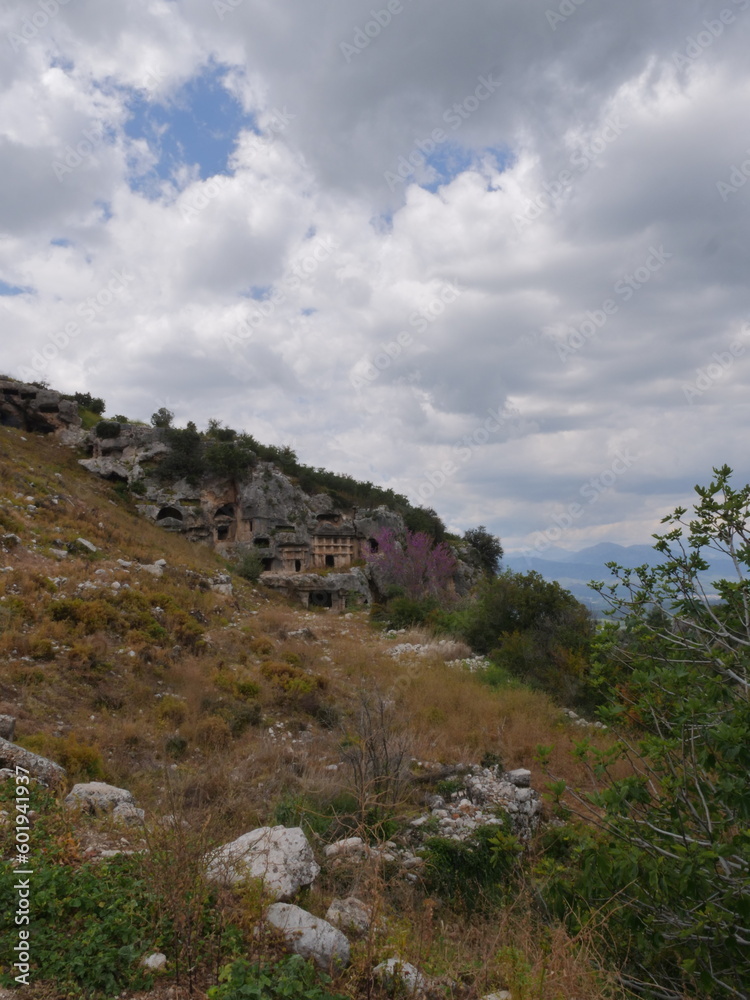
{"type": "Point", "coordinates": [414, 563]}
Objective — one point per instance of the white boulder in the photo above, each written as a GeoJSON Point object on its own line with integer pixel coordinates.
{"type": "Point", "coordinates": [309, 936]}
{"type": "Point", "coordinates": [280, 856]}
{"type": "Point", "coordinates": [97, 796]}
{"type": "Point", "coordinates": [394, 972]}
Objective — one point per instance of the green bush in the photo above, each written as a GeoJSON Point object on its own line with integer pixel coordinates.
{"type": "Point", "coordinates": [249, 565]}
{"type": "Point", "coordinates": [290, 978]}
{"type": "Point", "coordinates": [107, 429]}
{"type": "Point", "coordinates": [473, 874]}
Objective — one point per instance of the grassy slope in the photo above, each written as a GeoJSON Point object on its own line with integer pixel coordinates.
{"type": "Point", "coordinates": [201, 703]}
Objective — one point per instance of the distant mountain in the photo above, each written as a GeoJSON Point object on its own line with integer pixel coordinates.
{"type": "Point", "coordinates": [574, 570]}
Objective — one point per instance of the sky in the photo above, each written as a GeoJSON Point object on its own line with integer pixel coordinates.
{"type": "Point", "coordinates": [493, 255]}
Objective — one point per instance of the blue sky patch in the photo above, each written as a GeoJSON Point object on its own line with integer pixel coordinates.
{"type": "Point", "coordinates": [61, 242]}
{"type": "Point", "coordinates": [448, 161]}
{"type": "Point", "coordinates": [197, 127]}
{"type": "Point", "coordinates": [257, 292]}
{"type": "Point", "coordinates": [6, 289]}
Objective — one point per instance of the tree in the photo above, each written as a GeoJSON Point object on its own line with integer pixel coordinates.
{"type": "Point", "coordinates": [414, 564]}
{"type": "Point", "coordinates": [675, 855]}
{"type": "Point", "coordinates": [487, 547]}
{"type": "Point", "coordinates": [162, 418]}
{"type": "Point", "coordinates": [533, 629]}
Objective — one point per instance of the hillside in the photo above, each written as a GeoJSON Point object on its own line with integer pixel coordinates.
{"type": "Point", "coordinates": [137, 658]}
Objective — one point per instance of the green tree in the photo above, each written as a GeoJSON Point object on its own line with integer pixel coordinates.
{"type": "Point", "coordinates": [675, 854]}
{"type": "Point", "coordinates": [533, 629]}
{"type": "Point", "coordinates": [487, 547]}
{"type": "Point", "coordinates": [162, 418]}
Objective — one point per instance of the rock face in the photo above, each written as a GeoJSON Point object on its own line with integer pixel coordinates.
{"type": "Point", "coordinates": [12, 756]}
{"type": "Point", "coordinates": [310, 936]}
{"type": "Point", "coordinates": [98, 797]}
{"type": "Point", "coordinates": [42, 411]}
{"type": "Point", "coordinates": [280, 856]}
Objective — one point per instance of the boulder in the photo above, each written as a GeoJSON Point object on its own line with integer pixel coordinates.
{"type": "Point", "coordinates": [98, 797]}
{"type": "Point", "coordinates": [155, 962]}
{"type": "Point", "coordinates": [280, 856]}
{"type": "Point", "coordinates": [393, 972]}
{"type": "Point", "coordinates": [126, 812]}
{"type": "Point", "coordinates": [349, 847]}
{"type": "Point", "coordinates": [309, 936]}
{"type": "Point", "coordinates": [350, 914]}
{"type": "Point", "coordinates": [12, 756]}
{"type": "Point", "coordinates": [521, 777]}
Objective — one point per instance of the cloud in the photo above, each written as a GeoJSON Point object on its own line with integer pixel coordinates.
{"type": "Point", "coordinates": [291, 218]}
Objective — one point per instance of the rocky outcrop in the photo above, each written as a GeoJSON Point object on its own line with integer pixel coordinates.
{"type": "Point", "coordinates": [45, 771]}
{"type": "Point", "coordinates": [281, 857]}
{"type": "Point", "coordinates": [484, 791]}
{"type": "Point", "coordinates": [121, 453]}
{"type": "Point", "coordinates": [38, 410]}
{"type": "Point", "coordinates": [310, 936]}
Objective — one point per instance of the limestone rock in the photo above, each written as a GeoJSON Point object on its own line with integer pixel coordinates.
{"type": "Point", "coordinates": [82, 545]}
{"type": "Point", "coordinates": [155, 962]}
{"type": "Point", "coordinates": [521, 778]}
{"type": "Point", "coordinates": [98, 797]}
{"type": "Point", "coordinates": [127, 813]}
{"type": "Point", "coordinates": [12, 756]}
{"type": "Point", "coordinates": [350, 914]}
{"type": "Point", "coordinates": [394, 972]}
{"type": "Point", "coordinates": [310, 936]}
{"type": "Point", "coordinates": [280, 856]}
{"type": "Point", "coordinates": [350, 846]}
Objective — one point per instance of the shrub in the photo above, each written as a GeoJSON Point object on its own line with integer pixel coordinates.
{"type": "Point", "coordinates": [289, 977]}
{"type": "Point", "coordinates": [475, 873]}
{"type": "Point", "coordinates": [107, 429]}
{"type": "Point", "coordinates": [249, 565]}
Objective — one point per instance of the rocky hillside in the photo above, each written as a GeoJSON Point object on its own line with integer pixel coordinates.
{"type": "Point", "coordinates": [269, 778]}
